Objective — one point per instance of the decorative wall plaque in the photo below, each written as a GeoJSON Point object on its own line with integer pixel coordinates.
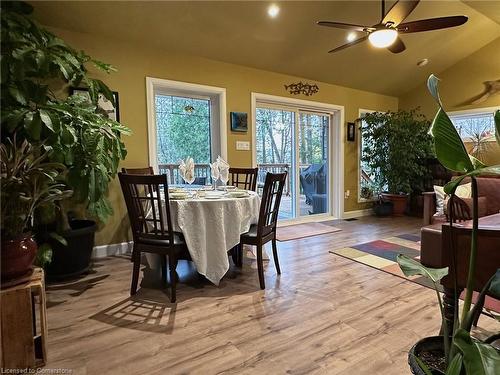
{"type": "Point", "coordinates": [302, 88]}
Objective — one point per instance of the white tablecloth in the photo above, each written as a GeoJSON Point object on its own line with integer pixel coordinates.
{"type": "Point", "coordinates": [211, 227]}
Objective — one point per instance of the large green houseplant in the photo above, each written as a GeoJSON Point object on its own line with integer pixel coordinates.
{"type": "Point", "coordinates": [396, 146]}
{"type": "Point", "coordinates": [70, 129]}
{"type": "Point", "coordinates": [462, 353]}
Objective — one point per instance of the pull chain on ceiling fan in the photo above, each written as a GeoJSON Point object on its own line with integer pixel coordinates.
{"type": "Point", "coordinates": [385, 34]}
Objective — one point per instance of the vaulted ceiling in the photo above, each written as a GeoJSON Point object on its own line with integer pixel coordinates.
{"type": "Point", "coordinates": [241, 32]}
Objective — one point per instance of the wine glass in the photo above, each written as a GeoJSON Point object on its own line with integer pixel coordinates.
{"type": "Point", "coordinates": [224, 175]}
{"type": "Point", "coordinates": [215, 173]}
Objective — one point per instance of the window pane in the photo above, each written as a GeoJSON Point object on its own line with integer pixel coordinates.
{"type": "Point", "coordinates": [183, 129]}
{"type": "Point", "coordinates": [475, 126]}
{"type": "Point", "coordinates": [366, 175]}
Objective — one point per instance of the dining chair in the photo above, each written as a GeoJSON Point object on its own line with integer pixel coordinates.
{"type": "Point", "coordinates": [265, 230]}
{"type": "Point", "coordinates": [145, 170]}
{"type": "Point", "coordinates": [244, 178]}
{"type": "Point", "coordinates": [146, 197]}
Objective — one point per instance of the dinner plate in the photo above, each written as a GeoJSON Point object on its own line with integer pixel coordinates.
{"type": "Point", "coordinates": [179, 196]}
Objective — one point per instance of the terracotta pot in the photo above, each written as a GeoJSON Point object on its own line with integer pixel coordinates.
{"type": "Point", "coordinates": [398, 200]}
{"type": "Point", "coordinates": [18, 256]}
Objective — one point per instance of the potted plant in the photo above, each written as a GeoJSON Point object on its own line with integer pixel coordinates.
{"type": "Point", "coordinates": [395, 148]}
{"type": "Point", "coordinates": [462, 354]}
{"type": "Point", "coordinates": [70, 129]}
{"type": "Point", "coordinates": [28, 182]}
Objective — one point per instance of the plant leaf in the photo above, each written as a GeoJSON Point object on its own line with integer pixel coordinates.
{"type": "Point", "coordinates": [478, 358]}
{"type": "Point", "coordinates": [411, 267]}
{"type": "Point", "coordinates": [450, 150]}
{"type": "Point", "coordinates": [495, 285]}
{"type": "Point", "coordinates": [455, 366]}
{"type": "Point", "coordinates": [449, 147]}
{"type": "Point", "coordinates": [58, 238]}
{"type": "Point", "coordinates": [422, 365]}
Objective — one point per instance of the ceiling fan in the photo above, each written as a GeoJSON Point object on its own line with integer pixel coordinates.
{"type": "Point", "coordinates": [385, 34]}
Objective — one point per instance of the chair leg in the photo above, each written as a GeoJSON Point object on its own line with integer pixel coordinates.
{"type": "Point", "coordinates": [275, 256]}
{"type": "Point", "coordinates": [479, 310]}
{"type": "Point", "coordinates": [172, 265]}
{"type": "Point", "coordinates": [234, 255]}
{"type": "Point", "coordinates": [239, 250]}
{"type": "Point", "coordinates": [163, 269]}
{"type": "Point", "coordinates": [260, 267]}
{"type": "Point", "coordinates": [136, 258]}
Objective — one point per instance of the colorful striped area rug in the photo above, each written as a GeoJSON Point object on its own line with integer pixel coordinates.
{"type": "Point", "coordinates": [381, 254]}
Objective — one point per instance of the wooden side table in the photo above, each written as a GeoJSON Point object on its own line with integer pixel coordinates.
{"type": "Point", "coordinates": [23, 332]}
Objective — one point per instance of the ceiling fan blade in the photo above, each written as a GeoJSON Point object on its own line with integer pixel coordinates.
{"type": "Point", "coordinates": [432, 24]}
{"type": "Point", "coordinates": [354, 42]}
{"type": "Point", "coordinates": [397, 47]}
{"type": "Point", "coordinates": [341, 25]}
{"type": "Point", "coordinates": [399, 11]}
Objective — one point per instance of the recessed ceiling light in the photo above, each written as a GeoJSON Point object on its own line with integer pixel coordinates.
{"type": "Point", "coordinates": [273, 10]}
{"type": "Point", "coordinates": [351, 36]}
{"type": "Point", "coordinates": [423, 62]}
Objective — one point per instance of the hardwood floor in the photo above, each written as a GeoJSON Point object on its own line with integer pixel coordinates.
{"type": "Point", "coordinates": [324, 315]}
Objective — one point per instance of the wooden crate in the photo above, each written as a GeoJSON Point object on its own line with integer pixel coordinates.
{"type": "Point", "coordinates": [23, 333]}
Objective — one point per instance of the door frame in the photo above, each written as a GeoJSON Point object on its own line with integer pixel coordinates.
{"type": "Point", "coordinates": [179, 88]}
{"type": "Point", "coordinates": [336, 152]}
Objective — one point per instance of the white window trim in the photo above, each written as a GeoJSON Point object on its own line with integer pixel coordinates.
{"type": "Point", "coordinates": [336, 147]}
{"type": "Point", "coordinates": [154, 83]}
{"type": "Point", "coordinates": [473, 111]}
{"type": "Point", "coordinates": [362, 112]}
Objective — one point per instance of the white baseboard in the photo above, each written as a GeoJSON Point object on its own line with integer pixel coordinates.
{"type": "Point", "coordinates": [357, 213]}
{"type": "Point", "coordinates": [112, 249]}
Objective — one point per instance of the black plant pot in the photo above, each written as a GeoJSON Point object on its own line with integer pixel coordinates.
{"type": "Point", "coordinates": [383, 208]}
{"type": "Point", "coordinates": [433, 344]}
{"type": "Point", "coordinates": [74, 259]}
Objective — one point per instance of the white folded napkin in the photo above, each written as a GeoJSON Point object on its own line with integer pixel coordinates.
{"type": "Point", "coordinates": [186, 170]}
{"type": "Point", "coordinates": [223, 169]}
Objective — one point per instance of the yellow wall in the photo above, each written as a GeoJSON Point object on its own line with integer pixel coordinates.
{"type": "Point", "coordinates": [459, 83]}
{"type": "Point", "coordinates": [135, 62]}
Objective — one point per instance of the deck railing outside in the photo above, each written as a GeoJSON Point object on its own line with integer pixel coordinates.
{"type": "Point", "coordinates": [202, 171]}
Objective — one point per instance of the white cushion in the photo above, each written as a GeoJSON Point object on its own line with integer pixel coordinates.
{"type": "Point", "coordinates": [463, 191]}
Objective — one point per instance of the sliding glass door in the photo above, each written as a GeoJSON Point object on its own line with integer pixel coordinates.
{"type": "Point", "coordinates": [296, 141]}
{"type": "Point", "coordinates": [313, 155]}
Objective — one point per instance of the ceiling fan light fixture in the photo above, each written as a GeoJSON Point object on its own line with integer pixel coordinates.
{"type": "Point", "coordinates": [383, 38]}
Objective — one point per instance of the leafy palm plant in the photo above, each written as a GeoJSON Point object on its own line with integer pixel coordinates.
{"type": "Point", "coordinates": [461, 351]}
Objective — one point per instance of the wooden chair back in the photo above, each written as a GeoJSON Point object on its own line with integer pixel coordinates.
{"type": "Point", "coordinates": [145, 170]}
{"type": "Point", "coordinates": [146, 197]}
{"type": "Point", "coordinates": [244, 178]}
{"type": "Point", "coordinates": [458, 210]}
{"type": "Point", "coordinates": [270, 203]}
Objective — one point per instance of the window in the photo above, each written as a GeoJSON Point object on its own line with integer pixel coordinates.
{"type": "Point", "coordinates": [182, 129]}
{"type": "Point", "coordinates": [477, 129]}
{"type": "Point", "coordinates": [185, 119]}
{"type": "Point", "coordinates": [366, 175]}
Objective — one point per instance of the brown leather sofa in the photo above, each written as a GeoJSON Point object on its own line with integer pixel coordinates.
{"type": "Point", "coordinates": [489, 204]}
{"type": "Point", "coordinates": [436, 238]}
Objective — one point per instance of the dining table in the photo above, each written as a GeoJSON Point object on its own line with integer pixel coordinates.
{"type": "Point", "coordinates": [211, 223]}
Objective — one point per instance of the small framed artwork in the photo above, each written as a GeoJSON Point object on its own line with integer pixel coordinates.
{"type": "Point", "coordinates": [351, 132]}
{"type": "Point", "coordinates": [105, 106]}
{"type": "Point", "coordinates": [239, 121]}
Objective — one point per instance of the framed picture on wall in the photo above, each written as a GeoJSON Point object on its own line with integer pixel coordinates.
{"type": "Point", "coordinates": [351, 131]}
{"type": "Point", "coordinates": [105, 106]}
{"type": "Point", "coordinates": [239, 121]}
